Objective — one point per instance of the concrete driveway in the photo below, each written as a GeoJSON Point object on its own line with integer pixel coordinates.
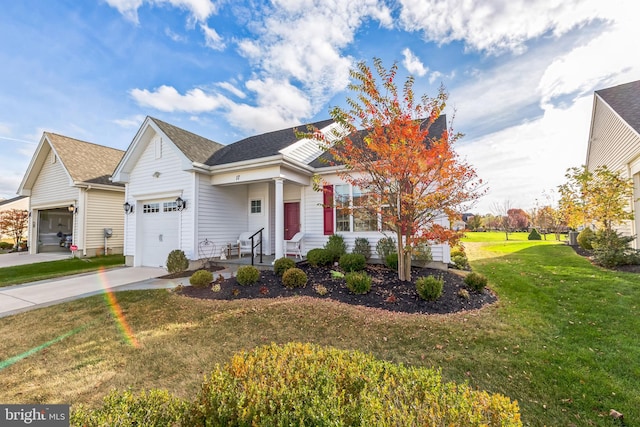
{"type": "Point", "coordinates": [22, 258]}
{"type": "Point", "coordinates": [18, 298]}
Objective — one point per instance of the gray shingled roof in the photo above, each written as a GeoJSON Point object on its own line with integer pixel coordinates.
{"type": "Point", "coordinates": [85, 161]}
{"type": "Point", "coordinates": [435, 131]}
{"type": "Point", "coordinates": [195, 147]}
{"type": "Point", "coordinates": [625, 100]}
{"type": "Point", "coordinates": [14, 199]}
{"type": "Point", "coordinates": [258, 146]}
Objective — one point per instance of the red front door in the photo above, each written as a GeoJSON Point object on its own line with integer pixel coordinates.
{"type": "Point", "coordinates": [291, 219]}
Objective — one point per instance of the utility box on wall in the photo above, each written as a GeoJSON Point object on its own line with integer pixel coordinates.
{"type": "Point", "coordinates": [108, 232]}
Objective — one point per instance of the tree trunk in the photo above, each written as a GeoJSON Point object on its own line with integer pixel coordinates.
{"type": "Point", "coordinates": [400, 256]}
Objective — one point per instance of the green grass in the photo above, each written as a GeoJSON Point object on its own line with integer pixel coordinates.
{"type": "Point", "coordinates": [499, 236]}
{"type": "Point", "coordinates": [51, 269]}
{"type": "Point", "coordinates": [562, 340]}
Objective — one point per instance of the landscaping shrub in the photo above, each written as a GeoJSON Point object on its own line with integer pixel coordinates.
{"type": "Point", "coordinates": [317, 257]}
{"type": "Point", "coordinates": [6, 245]}
{"type": "Point", "coordinates": [460, 262]}
{"type": "Point", "coordinates": [391, 261]}
{"type": "Point", "coordinates": [361, 246]}
{"type": "Point", "coordinates": [177, 261]}
{"type": "Point", "coordinates": [352, 262]}
{"type": "Point", "coordinates": [247, 275]}
{"type": "Point", "coordinates": [305, 384]}
{"type": "Point", "coordinates": [321, 290]}
{"type": "Point", "coordinates": [386, 246]}
{"type": "Point", "coordinates": [458, 251]}
{"type": "Point", "coordinates": [335, 247]}
{"type": "Point", "coordinates": [611, 249]}
{"type": "Point", "coordinates": [358, 282]}
{"type": "Point", "coordinates": [430, 287]}
{"type": "Point", "coordinates": [585, 238]}
{"type": "Point", "coordinates": [201, 278]}
{"type": "Point", "coordinates": [534, 235]}
{"type": "Point", "coordinates": [475, 281]}
{"type": "Point", "coordinates": [283, 264]}
{"type": "Point", "coordinates": [294, 278]}
{"type": "Point", "coordinates": [153, 408]}
{"type": "Point", "coordinates": [421, 255]}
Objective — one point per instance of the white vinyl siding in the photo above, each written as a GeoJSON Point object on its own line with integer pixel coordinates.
{"type": "Point", "coordinates": [314, 237]}
{"type": "Point", "coordinates": [150, 180]}
{"type": "Point", "coordinates": [222, 213]}
{"type": "Point", "coordinates": [615, 144]}
{"type": "Point", "coordinates": [53, 186]}
{"type": "Point", "coordinates": [104, 210]}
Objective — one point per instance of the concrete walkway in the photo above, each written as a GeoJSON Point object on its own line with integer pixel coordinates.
{"type": "Point", "coordinates": [19, 298]}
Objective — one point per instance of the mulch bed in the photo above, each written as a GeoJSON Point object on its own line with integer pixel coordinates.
{"type": "Point", "coordinates": [387, 292]}
{"type": "Point", "coordinates": [587, 254]}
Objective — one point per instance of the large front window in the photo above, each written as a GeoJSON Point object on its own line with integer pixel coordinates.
{"type": "Point", "coordinates": [352, 213]}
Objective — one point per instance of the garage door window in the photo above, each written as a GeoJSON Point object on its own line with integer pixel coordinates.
{"type": "Point", "coordinates": [151, 208]}
{"type": "Point", "coordinates": [169, 207]}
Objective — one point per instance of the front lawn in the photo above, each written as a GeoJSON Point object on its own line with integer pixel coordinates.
{"type": "Point", "coordinates": [50, 269]}
{"type": "Point", "coordinates": [562, 340]}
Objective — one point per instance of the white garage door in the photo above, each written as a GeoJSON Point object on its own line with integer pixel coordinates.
{"type": "Point", "coordinates": [160, 228]}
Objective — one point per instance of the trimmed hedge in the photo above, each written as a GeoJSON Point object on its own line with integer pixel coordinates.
{"type": "Point", "coordinates": [534, 235]}
{"type": "Point", "coordinates": [283, 264]}
{"type": "Point", "coordinates": [294, 278]}
{"type": "Point", "coordinates": [317, 257]}
{"type": "Point", "coordinates": [177, 261]}
{"type": "Point", "coordinates": [305, 384]}
{"type": "Point", "coordinates": [358, 282]}
{"type": "Point", "coordinates": [585, 239]}
{"type": "Point", "coordinates": [352, 262]}
{"type": "Point", "coordinates": [201, 278]}
{"type": "Point", "coordinates": [475, 281]}
{"type": "Point", "coordinates": [247, 275]}
{"type": "Point", "coordinates": [430, 287]}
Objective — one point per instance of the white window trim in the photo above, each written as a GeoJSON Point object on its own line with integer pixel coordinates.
{"type": "Point", "coordinates": [258, 199]}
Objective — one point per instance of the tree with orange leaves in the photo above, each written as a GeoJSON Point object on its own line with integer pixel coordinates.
{"type": "Point", "coordinates": [413, 178]}
{"type": "Point", "coordinates": [14, 222]}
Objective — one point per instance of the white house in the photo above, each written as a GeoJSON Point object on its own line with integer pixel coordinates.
{"type": "Point", "coordinates": [71, 198]}
{"type": "Point", "coordinates": [186, 192]}
{"type": "Point", "coordinates": [614, 141]}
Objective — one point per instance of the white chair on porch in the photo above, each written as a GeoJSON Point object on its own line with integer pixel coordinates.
{"type": "Point", "coordinates": [294, 245]}
{"type": "Point", "coordinates": [244, 244]}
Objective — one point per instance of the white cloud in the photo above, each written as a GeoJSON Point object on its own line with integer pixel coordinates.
{"type": "Point", "coordinates": [212, 39]}
{"type": "Point", "coordinates": [278, 104]}
{"type": "Point", "coordinates": [301, 41]}
{"type": "Point", "coordinates": [167, 98]}
{"type": "Point", "coordinates": [520, 162]}
{"type": "Point", "coordinates": [131, 122]}
{"type": "Point", "coordinates": [496, 26]}
{"type": "Point", "coordinates": [229, 87]}
{"type": "Point", "coordinates": [127, 8]}
{"type": "Point", "coordinates": [413, 64]}
{"type": "Point", "coordinates": [199, 10]}
{"type": "Point", "coordinates": [174, 36]}
{"type": "Point", "coordinates": [607, 56]}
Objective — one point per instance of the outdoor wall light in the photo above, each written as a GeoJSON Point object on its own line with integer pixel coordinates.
{"type": "Point", "coordinates": [72, 209]}
{"type": "Point", "coordinates": [128, 208]}
{"type": "Point", "coordinates": [181, 204]}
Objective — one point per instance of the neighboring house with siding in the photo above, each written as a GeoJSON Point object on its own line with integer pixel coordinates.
{"type": "Point", "coordinates": [614, 141]}
{"type": "Point", "coordinates": [71, 197]}
{"type": "Point", "coordinates": [262, 182]}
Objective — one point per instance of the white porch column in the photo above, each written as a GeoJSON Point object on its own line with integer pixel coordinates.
{"type": "Point", "coordinates": [279, 220]}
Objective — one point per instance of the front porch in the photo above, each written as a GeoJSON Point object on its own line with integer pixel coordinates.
{"type": "Point", "coordinates": [235, 262]}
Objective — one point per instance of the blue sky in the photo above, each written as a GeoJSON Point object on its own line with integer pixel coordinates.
{"type": "Point", "coordinates": [520, 73]}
